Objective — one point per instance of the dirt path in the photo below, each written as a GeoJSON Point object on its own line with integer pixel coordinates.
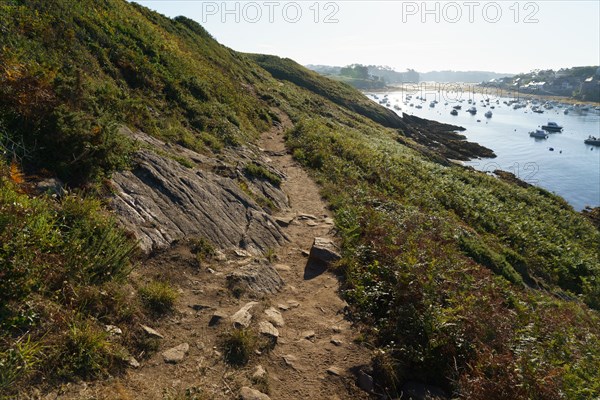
{"type": "Point", "coordinates": [315, 356]}
{"type": "Point", "coordinates": [321, 309]}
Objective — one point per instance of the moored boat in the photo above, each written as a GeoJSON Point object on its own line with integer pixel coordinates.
{"type": "Point", "coordinates": [552, 127]}
{"type": "Point", "coordinates": [538, 133]}
{"type": "Point", "coordinates": [592, 140]}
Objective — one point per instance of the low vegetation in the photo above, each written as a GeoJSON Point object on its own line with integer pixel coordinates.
{"type": "Point", "coordinates": [158, 296]}
{"type": "Point", "coordinates": [475, 284]}
{"type": "Point", "coordinates": [260, 172]}
{"type": "Point", "coordinates": [58, 261]}
{"type": "Point", "coordinates": [125, 65]}
{"type": "Point", "coordinates": [238, 345]}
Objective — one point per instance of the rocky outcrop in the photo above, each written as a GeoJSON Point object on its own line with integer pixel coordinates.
{"type": "Point", "coordinates": [324, 250]}
{"type": "Point", "coordinates": [160, 200]}
{"type": "Point", "coordinates": [442, 139]}
{"type": "Point", "coordinates": [258, 278]}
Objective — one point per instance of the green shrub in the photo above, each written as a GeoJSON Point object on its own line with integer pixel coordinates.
{"type": "Point", "coordinates": [98, 250]}
{"type": "Point", "coordinates": [203, 249]}
{"type": "Point", "coordinates": [158, 296]}
{"type": "Point", "coordinates": [270, 255]}
{"type": "Point", "coordinates": [238, 345]}
{"type": "Point", "coordinates": [18, 361]}
{"type": "Point", "coordinates": [86, 352]}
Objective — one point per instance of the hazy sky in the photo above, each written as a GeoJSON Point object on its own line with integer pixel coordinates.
{"type": "Point", "coordinates": [501, 36]}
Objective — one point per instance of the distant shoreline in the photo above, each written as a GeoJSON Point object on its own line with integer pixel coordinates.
{"type": "Point", "coordinates": [472, 88]}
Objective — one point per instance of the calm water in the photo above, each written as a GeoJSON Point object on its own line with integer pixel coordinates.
{"type": "Point", "coordinates": [572, 170]}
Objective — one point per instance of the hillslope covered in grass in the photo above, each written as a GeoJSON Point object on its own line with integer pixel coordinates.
{"type": "Point", "coordinates": [462, 280]}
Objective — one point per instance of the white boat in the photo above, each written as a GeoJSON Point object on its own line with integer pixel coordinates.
{"type": "Point", "coordinates": [538, 133]}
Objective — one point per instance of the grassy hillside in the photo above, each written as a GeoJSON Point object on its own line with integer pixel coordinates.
{"type": "Point", "coordinates": [463, 280]}
{"type": "Point", "coordinates": [483, 287]}
{"type": "Point", "coordinates": [340, 94]}
{"type": "Point", "coordinates": [71, 71]}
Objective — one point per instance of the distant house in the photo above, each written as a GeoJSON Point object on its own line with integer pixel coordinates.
{"type": "Point", "coordinates": [590, 88]}
{"type": "Point", "coordinates": [561, 73]}
{"type": "Point", "coordinates": [534, 86]}
{"type": "Point", "coordinates": [566, 85]}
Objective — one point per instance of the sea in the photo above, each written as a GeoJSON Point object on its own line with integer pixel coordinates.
{"type": "Point", "coordinates": [561, 163]}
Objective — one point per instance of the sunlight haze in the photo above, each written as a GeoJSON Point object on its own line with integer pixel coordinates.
{"type": "Point", "coordinates": [477, 35]}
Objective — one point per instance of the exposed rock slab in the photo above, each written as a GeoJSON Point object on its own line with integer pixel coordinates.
{"type": "Point", "coordinates": [161, 201]}
{"type": "Point", "coordinates": [284, 221]}
{"type": "Point", "coordinates": [216, 318]}
{"type": "Point", "coordinates": [308, 335]}
{"type": "Point", "coordinates": [259, 278]}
